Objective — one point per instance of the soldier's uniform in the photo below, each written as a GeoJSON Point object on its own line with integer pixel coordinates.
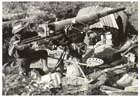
{"type": "Point", "coordinates": [24, 54]}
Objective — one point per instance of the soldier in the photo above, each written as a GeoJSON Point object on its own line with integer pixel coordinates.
{"type": "Point", "coordinates": [25, 54]}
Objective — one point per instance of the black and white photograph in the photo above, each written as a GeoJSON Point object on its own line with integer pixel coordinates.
{"type": "Point", "coordinates": [69, 48]}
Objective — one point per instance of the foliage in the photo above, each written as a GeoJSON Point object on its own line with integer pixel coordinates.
{"type": "Point", "coordinates": [48, 11]}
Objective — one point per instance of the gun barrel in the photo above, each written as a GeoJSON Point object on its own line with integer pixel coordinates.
{"type": "Point", "coordinates": [88, 19]}
{"type": "Point", "coordinates": [38, 38]}
{"type": "Point", "coordinates": [104, 13]}
{"type": "Point", "coordinates": [94, 17]}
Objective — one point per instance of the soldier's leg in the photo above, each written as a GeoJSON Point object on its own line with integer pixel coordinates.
{"type": "Point", "coordinates": [23, 66]}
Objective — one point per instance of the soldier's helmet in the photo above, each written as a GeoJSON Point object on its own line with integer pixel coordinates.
{"type": "Point", "coordinates": [18, 26]}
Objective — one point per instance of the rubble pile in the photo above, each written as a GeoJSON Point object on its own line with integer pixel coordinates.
{"type": "Point", "coordinates": [120, 77]}
{"type": "Point", "coordinates": [98, 64]}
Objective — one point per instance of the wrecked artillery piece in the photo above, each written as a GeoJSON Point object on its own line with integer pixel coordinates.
{"type": "Point", "coordinates": [89, 20]}
{"type": "Point", "coordinates": [75, 29]}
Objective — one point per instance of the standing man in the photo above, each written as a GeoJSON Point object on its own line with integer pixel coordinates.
{"type": "Point", "coordinates": [25, 54]}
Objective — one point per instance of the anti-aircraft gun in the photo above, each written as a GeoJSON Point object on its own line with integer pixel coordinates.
{"type": "Point", "coordinates": [68, 31]}
{"type": "Point", "coordinates": [72, 30]}
{"type": "Point", "coordinates": [83, 20]}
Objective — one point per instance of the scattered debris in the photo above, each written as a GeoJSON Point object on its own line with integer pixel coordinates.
{"type": "Point", "coordinates": [78, 68]}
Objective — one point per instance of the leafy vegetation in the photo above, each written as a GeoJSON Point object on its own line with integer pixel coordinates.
{"type": "Point", "coordinates": [48, 11]}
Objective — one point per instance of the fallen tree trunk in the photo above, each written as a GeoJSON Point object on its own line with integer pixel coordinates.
{"type": "Point", "coordinates": [9, 17]}
{"type": "Point", "coordinates": [8, 24]}
{"type": "Point", "coordinates": [33, 17]}
{"type": "Point", "coordinates": [114, 91]}
{"type": "Point", "coordinates": [22, 15]}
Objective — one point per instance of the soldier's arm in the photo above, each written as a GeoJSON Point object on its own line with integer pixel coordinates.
{"type": "Point", "coordinates": [11, 47]}
{"type": "Point", "coordinates": [15, 43]}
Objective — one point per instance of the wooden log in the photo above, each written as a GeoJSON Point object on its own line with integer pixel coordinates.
{"type": "Point", "coordinates": [8, 24]}
{"type": "Point", "coordinates": [15, 16]}
{"type": "Point", "coordinates": [104, 87]}
{"type": "Point", "coordinates": [114, 91]}
{"type": "Point", "coordinates": [22, 17]}
{"type": "Point", "coordinates": [119, 93]}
